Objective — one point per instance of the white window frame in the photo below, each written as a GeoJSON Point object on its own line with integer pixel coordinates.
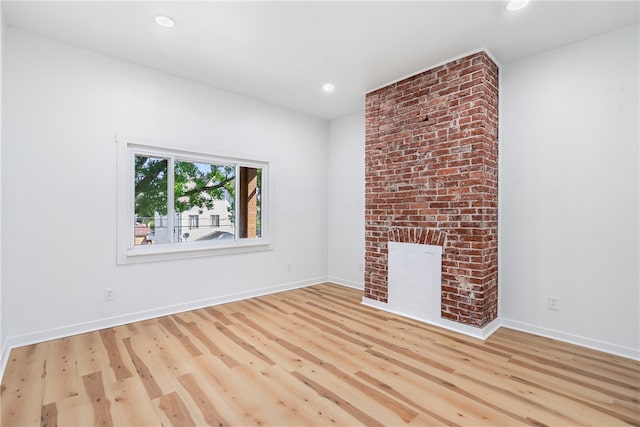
{"type": "Point", "coordinates": [127, 252]}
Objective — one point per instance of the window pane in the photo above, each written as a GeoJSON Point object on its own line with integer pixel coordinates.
{"type": "Point", "coordinates": [194, 221]}
{"type": "Point", "coordinates": [203, 191]}
{"type": "Point", "coordinates": [150, 213]}
{"type": "Point", "coordinates": [250, 183]}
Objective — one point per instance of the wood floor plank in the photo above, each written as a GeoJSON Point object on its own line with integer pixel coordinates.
{"type": "Point", "coordinates": [77, 410]}
{"type": "Point", "coordinates": [227, 395]}
{"type": "Point", "coordinates": [311, 409]}
{"type": "Point", "coordinates": [445, 380]}
{"type": "Point", "coordinates": [302, 332]}
{"type": "Point", "coordinates": [602, 359]}
{"type": "Point", "coordinates": [209, 412]}
{"type": "Point", "coordinates": [90, 354]}
{"type": "Point", "coordinates": [61, 381]}
{"type": "Point", "coordinates": [219, 316]}
{"type": "Point", "coordinates": [425, 420]}
{"type": "Point", "coordinates": [343, 375]}
{"type": "Point", "coordinates": [173, 357]}
{"type": "Point", "coordinates": [413, 349]}
{"type": "Point", "coordinates": [430, 414]}
{"type": "Point", "coordinates": [131, 405]}
{"type": "Point", "coordinates": [361, 395]}
{"type": "Point", "coordinates": [101, 404]}
{"type": "Point", "coordinates": [295, 344]}
{"type": "Point", "coordinates": [527, 401]}
{"type": "Point", "coordinates": [599, 384]}
{"type": "Point", "coordinates": [119, 365]}
{"type": "Point", "coordinates": [234, 348]}
{"type": "Point", "coordinates": [328, 295]}
{"type": "Point", "coordinates": [213, 348]}
{"type": "Point", "coordinates": [265, 303]}
{"type": "Point", "coordinates": [145, 375]}
{"type": "Point", "coordinates": [172, 328]}
{"type": "Point", "coordinates": [626, 410]}
{"type": "Point", "coordinates": [346, 406]}
{"type": "Point", "coordinates": [23, 385]}
{"type": "Point", "coordinates": [350, 317]}
{"type": "Point", "coordinates": [441, 399]}
{"type": "Point", "coordinates": [549, 360]}
{"type": "Point", "coordinates": [49, 415]}
{"type": "Point", "coordinates": [248, 347]}
{"type": "Point", "coordinates": [571, 390]}
{"type": "Point", "coordinates": [281, 356]}
{"type": "Point", "coordinates": [312, 356]}
{"type": "Point", "coordinates": [325, 347]}
{"type": "Point", "coordinates": [176, 412]}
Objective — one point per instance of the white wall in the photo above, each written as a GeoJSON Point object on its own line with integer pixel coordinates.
{"type": "Point", "coordinates": [346, 200]}
{"type": "Point", "coordinates": [569, 189]}
{"type": "Point", "coordinates": [2, 334]}
{"type": "Point", "coordinates": [63, 107]}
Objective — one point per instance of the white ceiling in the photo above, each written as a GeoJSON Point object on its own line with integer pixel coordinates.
{"type": "Point", "coordinates": [283, 52]}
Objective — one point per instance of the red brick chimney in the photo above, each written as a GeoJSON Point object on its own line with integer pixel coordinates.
{"type": "Point", "coordinates": [432, 177]}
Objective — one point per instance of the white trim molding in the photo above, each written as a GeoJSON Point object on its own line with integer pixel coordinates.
{"type": "Point", "coordinates": [479, 333]}
{"type": "Point", "coordinates": [346, 283]}
{"type": "Point", "coordinates": [603, 346]}
{"type": "Point", "coordinates": [128, 149]}
{"type": "Point", "coordinates": [499, 322]}
{"type": "Point", "coordinates": [81, 328]}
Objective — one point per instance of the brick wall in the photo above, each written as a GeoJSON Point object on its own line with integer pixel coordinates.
{"type": "Point", "coordinates": [432, 177]}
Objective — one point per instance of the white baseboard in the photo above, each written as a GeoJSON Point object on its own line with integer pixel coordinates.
{"type": "Point", "coordinates": [80, 328]}
{"type": "Point", "coordinates": [345, 282]}
{"type": "Point", "coordinates": [4, 354]}
{"type": "Point", "coordinates": [480, 333]}
{"type": "Point", "coordinates": [490, 328]}
{"type": "Point", "coordinates": [603, 346]}
{"type": "Point", "coordinates": [374, 303]}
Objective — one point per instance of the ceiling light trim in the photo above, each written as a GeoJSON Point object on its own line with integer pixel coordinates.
{"type": "Point", "coordinates": [165, 21]}
{"type": "Point", "coordinates": [328, 88]}
{"type": "Point", "coordinates": [515, 5]}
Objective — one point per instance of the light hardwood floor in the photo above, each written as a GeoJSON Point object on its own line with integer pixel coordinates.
{"type": "Point", "coordinates": [312, 357]}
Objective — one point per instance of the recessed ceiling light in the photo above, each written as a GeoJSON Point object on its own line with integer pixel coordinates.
{"type": "Point", "coordinates": [514, 5]}
{"type": "Point", "coordinates": [328, 88]}
{"type": "Point", "coordinates": [165, 21]}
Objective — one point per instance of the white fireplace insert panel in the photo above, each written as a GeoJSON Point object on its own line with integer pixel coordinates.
{"type": "Point", "coordinates": [414, 280]}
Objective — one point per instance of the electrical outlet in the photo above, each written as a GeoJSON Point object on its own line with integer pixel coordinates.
{"type": "Point", "coordinates": [288, 268]}
{"type": "Point", "coordinates": [109, 294]}
{"type": "Point", "coordinates": [361, 268]}
{"type": "Point", "coordinates": [554, 303]}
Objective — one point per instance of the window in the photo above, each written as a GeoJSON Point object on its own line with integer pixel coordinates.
{"type": "Point", "coordinates": [169, 191]}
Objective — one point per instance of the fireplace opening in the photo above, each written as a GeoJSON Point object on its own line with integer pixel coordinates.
{"type": "Point", "coordinates": [414, 280]}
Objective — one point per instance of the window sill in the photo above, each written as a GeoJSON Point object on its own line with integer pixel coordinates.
{"type": "Point", "coordinates": [154, 253]}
